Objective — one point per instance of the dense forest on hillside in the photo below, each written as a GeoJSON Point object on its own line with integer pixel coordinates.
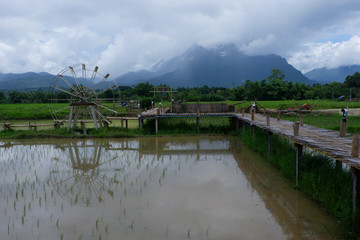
{"type": "Point", "coordinates": [274, 87]}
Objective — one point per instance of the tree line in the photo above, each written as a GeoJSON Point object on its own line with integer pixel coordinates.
{"type": "Point", "coordinates": [274, 87]}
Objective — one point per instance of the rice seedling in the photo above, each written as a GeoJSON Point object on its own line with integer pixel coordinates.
{"type": "Point", "coordinates": [132, 225]}
{"type": "Point", "coordinates": [97, 224]}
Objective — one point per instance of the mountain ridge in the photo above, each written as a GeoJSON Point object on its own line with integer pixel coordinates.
{"type": "Point", "coordinates": [326, 75]}
{"type": "Point", "coordinates": [222, 66]}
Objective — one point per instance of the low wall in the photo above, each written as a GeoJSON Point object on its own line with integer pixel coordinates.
{"type": "Point", "coordinates": [203, 107]}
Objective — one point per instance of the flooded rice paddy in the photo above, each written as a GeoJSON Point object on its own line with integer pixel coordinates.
{"type": "Point", "coordinates": [149, 188]}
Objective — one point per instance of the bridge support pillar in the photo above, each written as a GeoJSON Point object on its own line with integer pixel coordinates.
{"type": "Point", "coordinates": [244, 126]}
{"type": "Point", "coordinates": [141, 122]}
{"type": "Point", "coordinates": [237, 124]}
{"type": "Point", "coordinates": [356, 190]}
{"type": "Point", "coordinates": [198, 124]}
{"type": "Point", "coordinates": [299, 156]}
{"type": "Point", "coordinates": [270, 142]}
{"type": "Point", "coordinates": [253, 131]}
{"type": "Point", "coordinates": [156, 125]}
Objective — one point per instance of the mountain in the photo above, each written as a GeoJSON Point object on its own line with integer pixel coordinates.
{"type": "Point", "coordinates": [223, 66]}
{"type": "Point", "coordinates": [31, 81]}
{"type": "Point", "coordinates": [25, 81]}
{"type": "Point", "coordinates": [325, 75]}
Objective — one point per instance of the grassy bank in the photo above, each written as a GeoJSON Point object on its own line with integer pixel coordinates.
{"type": "Point", "coordinates": [167, 126]}
{"type": "Point", "coordinates": [36, 111]}
{"type": "Point", "coordinates": [331, 122]}
{"type": "Point", "coordinates": [320, 179]}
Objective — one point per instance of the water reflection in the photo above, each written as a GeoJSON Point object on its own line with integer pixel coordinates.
{"type": "Point", "coordinates": [85, 178]}
{"type": "Point", "coordinates": [148, 188]}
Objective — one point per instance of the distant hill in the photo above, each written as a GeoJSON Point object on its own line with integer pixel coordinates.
{"type": "Point", "coordinates": [223, 66]}
{"type": "Point", "coordinates": [31, 81]}
{"type": "Point", "coordinates": [25, 81]}
{"type": "Point", "coordinates": [325, 75]}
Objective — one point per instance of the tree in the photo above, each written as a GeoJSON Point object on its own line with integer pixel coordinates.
{"type": "Point", "coordinates": [143, 89]}
{"type": "Point", "coordinates": [352, 81]}
{"type": "Point", "coordinates": [2, 97]}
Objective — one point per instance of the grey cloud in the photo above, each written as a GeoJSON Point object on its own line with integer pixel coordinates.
{"type": "Point", "coordinates": [121, 36]}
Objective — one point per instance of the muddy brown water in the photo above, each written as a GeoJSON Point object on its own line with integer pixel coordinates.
{"type": "Point", "coordinates": [150, 188]}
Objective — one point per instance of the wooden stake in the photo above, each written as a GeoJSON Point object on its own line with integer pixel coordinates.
{"type": "Point", "coordinates": [296, 128]}
{"type": "Point", "coordinates": [355, 146]}
{"type": "Point", "coordinates": [267, 120]}
{"type": "Point", "coordinates": [343, 128]}
{"type": "Point", "coordinates": [252, 115]}
{"type": "Point", "coordinates": [279, 116]}
{"type": "Point", "coordinates": [301, 119]}
{"type": "Point", "coordinates": [243, 112]}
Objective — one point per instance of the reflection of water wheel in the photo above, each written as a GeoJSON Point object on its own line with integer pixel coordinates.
{"type": "Point", "coordinates": [74, 96]}
{"type": "Point", "coordinates": [83, 178]}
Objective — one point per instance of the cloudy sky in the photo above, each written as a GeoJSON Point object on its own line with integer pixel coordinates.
{"type": "Point", "coordinates": [127, 35]}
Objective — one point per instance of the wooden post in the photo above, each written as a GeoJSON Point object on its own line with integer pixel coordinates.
{"type": "Point", "coordinates": [253, 130]}
{"type": "Point", "coordinates": [94, 117]}
{"type": "Point", "coordinates": [157, 120]}
{"type": "Point", "coordinates": [126, 123]}
{"type": "Point", "coordinates": [268, 120]}
{"type": "Point", "coordinates": [244, 126]}
{"type": "Point", "coordinates": [301, 119]}
{"type": "Point", "coordinates": [296, 128]}
{"type": "Point", "coordinates": [82, 124]}
{"type": "Point", "coordinates": [243, 112]}
{"type": "Point", "coordinates": [237, 124]}
{"type": "Point", "coordinates": [299, 154]}
{"type": "Point", "coordinates": [156, 125]}
{"type": "Point", "coordinates": [279, 115]}
{"type": "Point", "coordinates": [355, 146]}
{"type": "Point", "coordinates": [141, 122]}
{"type": "Point", "coordinates": [252, 115]}
{"type": "Point", "coordinates": [122, 124]}
{"type": "Point", "coordinates": [270, 142]}
{"type": "Point", "coordinates": [343, 128]}
{"type": "Point", "coordinates": [70, 117]}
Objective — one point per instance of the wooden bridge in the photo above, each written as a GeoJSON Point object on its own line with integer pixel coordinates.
{"type": "Point", "coordinates": [342, 149]}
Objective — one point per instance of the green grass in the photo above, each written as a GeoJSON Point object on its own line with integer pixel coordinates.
{"type": "Point", "coordinates": [112, 132]}
{"type": "Point", "coordinates": [320, 178]}
{"type": "Point", "coordinates": [331, 122]}
{"type": "Point", "coordinates": [36, 111]}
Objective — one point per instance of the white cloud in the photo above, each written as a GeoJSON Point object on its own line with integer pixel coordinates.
{"type": "Point", "coordinates": [328, 54]}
